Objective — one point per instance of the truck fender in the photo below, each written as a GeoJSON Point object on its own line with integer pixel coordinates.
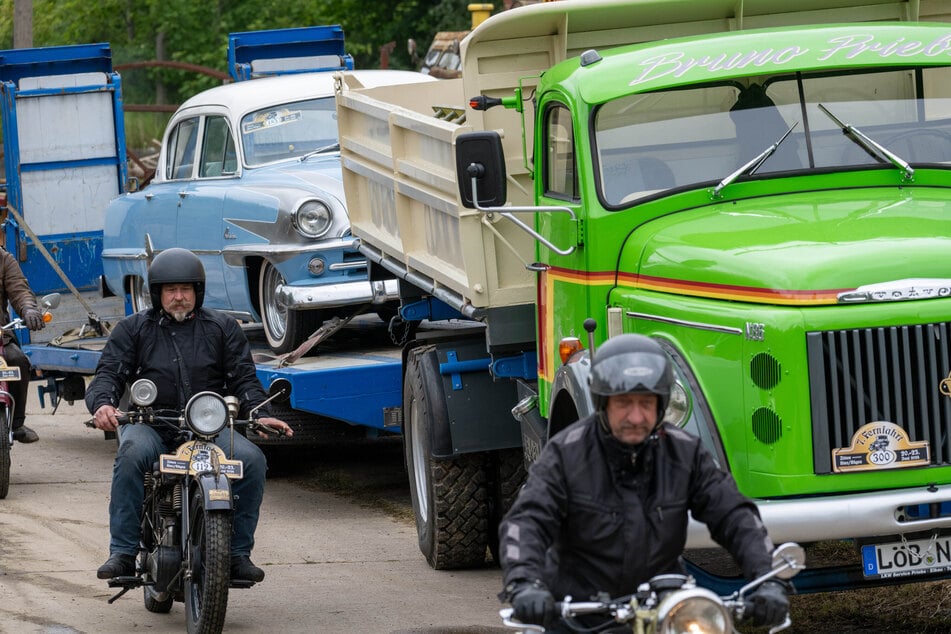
{"type": "Point", "coordinates": [570, 395]}
{"type": "Point", "coordinates": [215, 491]}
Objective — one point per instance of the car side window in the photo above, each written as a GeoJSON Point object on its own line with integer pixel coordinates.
{"type": "Point", "coordinates": [181, 149]}
{"type": "Point", "coordinates": [217, 153]}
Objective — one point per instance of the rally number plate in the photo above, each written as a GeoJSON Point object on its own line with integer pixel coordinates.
{"type": "Point", "coordinates": [906, 559]}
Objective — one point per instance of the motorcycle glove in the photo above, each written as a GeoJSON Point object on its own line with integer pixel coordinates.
{"type": "Point", "coordinates": [533, 603]}
{"type": "Point", "coordinates": [33, 319]}
{"type": "Point", "coordinates": [769, 604]}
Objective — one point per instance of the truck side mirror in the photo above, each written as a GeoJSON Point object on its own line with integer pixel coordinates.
{"type": "Point", "coordinates": [479, 155]}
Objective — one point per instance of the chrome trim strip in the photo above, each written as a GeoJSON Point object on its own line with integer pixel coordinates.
{"type": "Point", "coordinates": [682, 322]}
{"type": "Point", "coordinates": [845, 516]}
{"type": "Point", "coordinates": [347, 266]}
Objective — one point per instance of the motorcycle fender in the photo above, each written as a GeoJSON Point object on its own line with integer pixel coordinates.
{"type": "Point", "coordinates": [216, 491]}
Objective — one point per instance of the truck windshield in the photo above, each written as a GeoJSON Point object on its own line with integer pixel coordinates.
{"type": "Point", "coordinates": [289, 130]}
{"type": "Point", "coordinates": [649, 143]}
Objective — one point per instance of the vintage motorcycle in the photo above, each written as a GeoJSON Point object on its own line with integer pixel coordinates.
{"type": "Point", "coordinates": [12, 373]}
{"type": "Point", "coordinates": [672, 604]}
{"type": "Point", "coordinates": [185, 540]}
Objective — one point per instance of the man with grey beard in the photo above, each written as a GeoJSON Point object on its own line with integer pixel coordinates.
{"type": "Point", "coordinates": [184, 349]}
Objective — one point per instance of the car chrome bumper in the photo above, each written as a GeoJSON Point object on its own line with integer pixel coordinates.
{"type": "Point", "coordinates": [845, 516]}
{"type": "Point", "coordinates": [336, 295]}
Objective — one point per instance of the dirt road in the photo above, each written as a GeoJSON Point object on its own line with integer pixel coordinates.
{"type": "Point", "coordinates": [332, 563]}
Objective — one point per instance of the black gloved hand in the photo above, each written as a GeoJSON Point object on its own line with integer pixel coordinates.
{"type": "Point", "coordinates": [769, 604]}
{"type": "Point", "coordinates": [532, 603]}
{"type": "Point", "coordinates": [33, 319]}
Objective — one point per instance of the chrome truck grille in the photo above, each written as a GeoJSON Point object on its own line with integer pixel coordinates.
{"type": "Point", "coordinates": [880, 374]}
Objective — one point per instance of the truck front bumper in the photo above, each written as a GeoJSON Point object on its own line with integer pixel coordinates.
{"type": "Point", "coordinates": [848, 516]}
{"type": "Point", "coordinates": [336, 295]}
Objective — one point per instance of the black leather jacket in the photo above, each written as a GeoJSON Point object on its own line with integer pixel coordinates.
{"type": "Point", "coordinates": [588, 520]}
{"type": "Point", "coordinates": [206, 352]}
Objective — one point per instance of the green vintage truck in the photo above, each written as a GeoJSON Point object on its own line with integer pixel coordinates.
{"type": "Point", "coordinates": [764, 187]}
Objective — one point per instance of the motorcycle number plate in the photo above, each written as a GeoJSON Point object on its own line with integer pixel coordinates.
{"type": "Point", "coordinates": [907, 558]}
{"type": "Point", "coordinates": [200, 457]}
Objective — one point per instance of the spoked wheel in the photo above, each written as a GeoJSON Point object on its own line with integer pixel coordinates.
{"type": "Point", "coordinates": [284, 328]}
{"type": "Point", "coordinates": [449, 496]}
{"type": "Point", "coordinates": [5, 442]}
{"type": "Point", "coordinates": [139, 294]}
{"type": "Point", "coordinates": [206, 588]}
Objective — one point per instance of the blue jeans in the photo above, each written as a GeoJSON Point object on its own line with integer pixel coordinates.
{"type": "Point", "coordinates": [139, 449]}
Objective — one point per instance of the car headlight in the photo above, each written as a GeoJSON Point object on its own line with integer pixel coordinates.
{"type": "Point", "coordinates": [679, 406]}
{"type": "Point", "coordinates": [313, 219]}
{"type": "Point", "coordinates": [143, 392]}
{"type": "Point", "coordinates": [206, 413]}
{"type": "Point", "coordinates": [693, 611]}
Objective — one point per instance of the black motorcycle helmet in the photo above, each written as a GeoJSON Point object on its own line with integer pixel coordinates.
{"type": "Point", "coordinates": [631, 363]}
{"type": "Point", "coordinates": [176, 266]}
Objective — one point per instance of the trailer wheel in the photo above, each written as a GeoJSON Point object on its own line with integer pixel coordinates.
{"type": "Point", "coordinates": [449, 496]}
{"type": "Point", "coordinates": [284, 328]}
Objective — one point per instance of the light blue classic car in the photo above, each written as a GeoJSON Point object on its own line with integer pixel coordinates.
{"type": "Point", "coordinates": [249, 179]}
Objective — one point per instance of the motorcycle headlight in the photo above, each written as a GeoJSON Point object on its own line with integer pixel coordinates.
{"type": "Point", "coordinates": [143, 392]}
{"type": "Point", "coordinates": [693, 611]}
{"type": "Point", "coordinates": [312, 219]}
{"type": "Point", "coordinates": [206, 413]}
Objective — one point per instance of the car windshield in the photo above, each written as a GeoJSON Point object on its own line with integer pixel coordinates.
{"type": "Point", "coordinates": [648, 143]}
{"type": "Point", "coordinates": [288, 131]}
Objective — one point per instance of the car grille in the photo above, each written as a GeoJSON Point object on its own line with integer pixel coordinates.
{"type": "Point", "coordinates": [879, 374]}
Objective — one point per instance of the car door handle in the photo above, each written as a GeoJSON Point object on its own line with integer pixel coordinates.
{"type": "Point", "coordinates": [149, 196]}
{"type": "Point", "coordinates": [182, 194]}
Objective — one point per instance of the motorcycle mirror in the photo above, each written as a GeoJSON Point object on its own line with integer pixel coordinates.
{"type": "Point", "coordinates": [51, 301]}
{"type": "Point", "coordinates": [280, 390]}
{"type": "Point", "coordinates": [789, 559]}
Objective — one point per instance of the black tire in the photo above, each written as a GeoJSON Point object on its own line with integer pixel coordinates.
{"type": "Point", "coordinates": [5, 442]}
{"type": "Point", "coordinates": [449, 496]}
{"type": "Point", "coordinates": [507, 475]}
{"type": "Point", "coordinates": [209, 549]}
{"type": "Point", "coordinates": [285, 329]}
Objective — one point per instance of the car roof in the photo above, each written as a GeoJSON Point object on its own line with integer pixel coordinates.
{"type": "Point", "coordinates": [244, 96]}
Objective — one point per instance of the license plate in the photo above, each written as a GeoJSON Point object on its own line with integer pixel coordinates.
{"type": "Point", "coordinates": [906, 559]}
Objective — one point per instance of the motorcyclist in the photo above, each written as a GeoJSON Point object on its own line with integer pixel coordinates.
{"type": "Point", "coordinates": [184, 349]}
{"type": "Point", "coordinates": [16, 290]}
{"type": "Point", "coordinates": [605, 505]}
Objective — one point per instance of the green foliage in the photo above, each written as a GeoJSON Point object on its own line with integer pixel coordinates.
{"type": "Point", "coordinates": [197, 33]}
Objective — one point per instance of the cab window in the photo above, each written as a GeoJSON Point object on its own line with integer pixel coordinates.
{"type": "Point", "coordinates": [561, 176]}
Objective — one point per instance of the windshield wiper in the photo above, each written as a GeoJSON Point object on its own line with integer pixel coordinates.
{"type": "Point", "coordinates": [320, 150]}
{"type": "Point", "coordinates": [870, 145]}
{"type": "Point", "coordinates": [751, 167]}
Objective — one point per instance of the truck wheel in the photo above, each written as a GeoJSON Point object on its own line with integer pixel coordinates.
{"type": "Point", "coordinates": [508, 474]}
{"type": "Point", "coordinates": [284, 328]}
{"type": "Point", "coordinates": [139, 294]}
{"type": "Point", "coordinates": [449, 496]}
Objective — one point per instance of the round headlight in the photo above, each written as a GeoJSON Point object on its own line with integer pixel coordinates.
{"type": "Point", "coordinates": [693, 611]}
{"type": "Point", "coordinates": [679, 406]}
{"type": "Point", "coordinates": [143, 392]}
{"type": "Point", "coordinates": [206, 413]}
{"type": "Point", "coordinates": [313, 219]}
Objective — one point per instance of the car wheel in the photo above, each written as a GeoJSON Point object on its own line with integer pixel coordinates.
{"type": "Point", "coordinates": [139, 294]}
{"type": "Point", "coordinates": [285, 329]}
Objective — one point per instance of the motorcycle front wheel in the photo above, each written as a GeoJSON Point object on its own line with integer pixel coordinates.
{"type": "Point", "coordinates": [206, 589]}
{"type": "Point", "coordinates": [5, 442]}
